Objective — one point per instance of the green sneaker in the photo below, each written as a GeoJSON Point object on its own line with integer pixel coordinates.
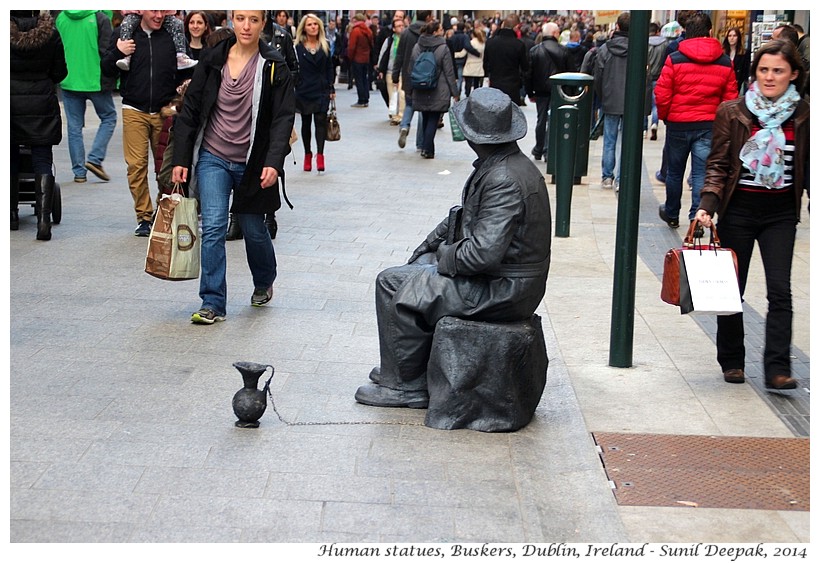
{"type": "Point", "coordinates": [261, 295]}
{"type": "Point", "coordinates": [206, 317]}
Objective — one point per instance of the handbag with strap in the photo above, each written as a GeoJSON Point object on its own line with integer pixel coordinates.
{"type": "Point", "coordinates": [173, 247]}
{"type": "Point", "coordinates": [670, 286]}
{"type": "Point", "coordinates": [334, 131]}
{"type": "Point", "coordinates": [676, 287]}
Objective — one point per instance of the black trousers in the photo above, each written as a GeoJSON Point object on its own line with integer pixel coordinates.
{"type": "Point", "coordinates": [429, 126]}
{"type": "Point", "coordinates": [412, 298]}
{"type": "Point", "coordinates": [320, 122]}
{"type": "Point", "coordinates": [771, 220]}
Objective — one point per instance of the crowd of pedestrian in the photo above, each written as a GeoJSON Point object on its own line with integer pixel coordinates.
{"type": "Point", "coordinates": [224, 88]}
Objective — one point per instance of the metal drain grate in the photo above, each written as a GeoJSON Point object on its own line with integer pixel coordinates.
{"type": "Point", "coordinates": [707, 471]}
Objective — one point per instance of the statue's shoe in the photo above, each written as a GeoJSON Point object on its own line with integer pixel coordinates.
{"type": "Point", "coordinates": [379, 396]}
{"type": "Point", "coordinates": [375, 374]}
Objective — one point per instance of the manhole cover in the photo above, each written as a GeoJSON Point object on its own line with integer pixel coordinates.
{"type": "Point", "coordinates": [707, 471]}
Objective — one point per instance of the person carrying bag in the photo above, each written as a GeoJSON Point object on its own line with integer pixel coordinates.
{"type": "Point", "coordinates": [433, 82]}
{"type": "Point", "coordinates": [237, 121]}
{"type": "Point", "coordinates": [756, 174]}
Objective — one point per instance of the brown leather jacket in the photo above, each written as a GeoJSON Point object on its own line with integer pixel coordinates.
{"type": "Point", "coordinates": [732, 128]}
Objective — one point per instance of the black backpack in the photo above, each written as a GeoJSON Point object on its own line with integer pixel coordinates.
{"type": "Point", "coordinates": [424, 75]}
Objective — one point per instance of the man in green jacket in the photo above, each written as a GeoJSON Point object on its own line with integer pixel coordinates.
{"type": "Point", "coordinates": [86, 35]}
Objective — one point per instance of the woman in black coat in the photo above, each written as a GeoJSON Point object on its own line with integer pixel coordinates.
{"type": "Point", "coordinates": [315, 88]}
{"type": "Point", "coordinates": [236, 119]}
{"type": "Point", "coordinates": [741, 59]}
{"type": "Point", "coordinates": [37, 66]}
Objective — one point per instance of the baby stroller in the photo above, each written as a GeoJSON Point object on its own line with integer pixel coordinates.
{"type": "Point", "coordinates": [26, 186]}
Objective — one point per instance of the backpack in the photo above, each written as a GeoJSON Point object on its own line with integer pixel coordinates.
{"type": "Point", "coordinates": [424, 75]}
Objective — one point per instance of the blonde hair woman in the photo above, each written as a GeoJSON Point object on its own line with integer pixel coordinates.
{"type": "Point", "coordinates": [315, 88]}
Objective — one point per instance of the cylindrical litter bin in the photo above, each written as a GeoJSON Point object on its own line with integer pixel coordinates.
{"type": "Point", "coordinates": [571, 88]}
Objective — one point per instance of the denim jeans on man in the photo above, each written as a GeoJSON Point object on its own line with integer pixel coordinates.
{"type": "Point", "coordinates": [772, 221]}
{"type": "Point", "coordinates": [679, 145]}
{"type": "Point", "coordinates": [612, 145]}
{"type": "Point", "coordinates": [407, 119]}
{"type": "Point", "coordinates": [542, 108]}
{"type": "Point", "coordinates": [216, 178]}
{"type": "Point", "coordinates": [74, 105]}
{"type": "Point", "coordinates": [459, 67]}
{"type": "Point", "coordinates": [654, 112]}
{"type": "Point", "coordinates": [360, 76]}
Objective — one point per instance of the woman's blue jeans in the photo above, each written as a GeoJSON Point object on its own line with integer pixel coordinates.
{"type": "Point", "coordinates": [216, 179]}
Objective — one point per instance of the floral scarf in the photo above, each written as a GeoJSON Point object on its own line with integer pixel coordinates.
{"type": "Point", "coordinates": [762, 154]}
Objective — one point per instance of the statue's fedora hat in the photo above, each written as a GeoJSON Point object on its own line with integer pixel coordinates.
{"type": "Point", "coordinates": [489, 117]}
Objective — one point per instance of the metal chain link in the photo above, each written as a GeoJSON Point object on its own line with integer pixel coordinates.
{"type": "Point", "coordinates": [348, 423]}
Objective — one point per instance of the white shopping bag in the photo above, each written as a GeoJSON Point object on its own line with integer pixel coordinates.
{"type": "Point", "coordinates": [393, 108]}
{"type": "Point", "coordinates": [708, 282]}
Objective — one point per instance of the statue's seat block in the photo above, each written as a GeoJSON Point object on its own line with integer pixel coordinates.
{"type": "Point", "coordinates": [485, 376]}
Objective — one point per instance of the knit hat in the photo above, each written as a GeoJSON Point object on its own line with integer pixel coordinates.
{"type": "Point", "coordinates": [671, 30]}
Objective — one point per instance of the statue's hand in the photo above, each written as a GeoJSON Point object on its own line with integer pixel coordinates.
{"type": "Point", "coordinates": [423, 248]}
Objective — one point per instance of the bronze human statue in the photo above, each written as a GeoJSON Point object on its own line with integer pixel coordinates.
{"type": "Point", "coordinates": [486, 261]}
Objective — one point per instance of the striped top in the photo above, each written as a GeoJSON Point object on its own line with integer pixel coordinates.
{"type": "Point", "coordinates": [747, 183]}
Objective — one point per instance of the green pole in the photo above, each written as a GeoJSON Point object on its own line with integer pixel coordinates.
{"type": "Point", "coordinates": [566, 121]}
{"type": "Point", "coordinates": [626, 237]}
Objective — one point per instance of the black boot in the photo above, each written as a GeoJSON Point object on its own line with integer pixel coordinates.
{"type": "Point", "coordinates": [43, 194]}
{"type": "Point", "coordinates": [15, 200]}
{"type": "Point", "coordinates": [270, 223]}
{"type": "Point", "coordinates": [234, 230]}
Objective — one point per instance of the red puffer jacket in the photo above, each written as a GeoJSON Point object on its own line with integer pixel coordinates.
{"type": "Point", "coordinates": [694, 81]}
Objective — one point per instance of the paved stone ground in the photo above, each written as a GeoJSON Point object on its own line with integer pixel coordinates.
{"type": "Point", "coordinates": [121, 428]}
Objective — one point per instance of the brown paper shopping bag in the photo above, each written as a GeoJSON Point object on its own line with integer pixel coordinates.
{"type": "Point", "coordinates": [173, 247]}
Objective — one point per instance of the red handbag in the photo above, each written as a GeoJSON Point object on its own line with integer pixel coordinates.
{"type": "Point", "coordinates": [670, 286]}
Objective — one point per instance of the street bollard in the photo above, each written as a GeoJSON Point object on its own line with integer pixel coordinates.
{"type": "Point", "coordinates": [575, 89]}
{"type": "Point", "coordinates": [566, 122]}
